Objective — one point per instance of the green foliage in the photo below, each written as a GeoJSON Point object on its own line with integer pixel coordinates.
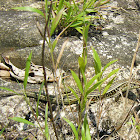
{"type": "Point", "coordinates": [85, 130]}
{"type": "Point", "coordinates": [97, 62]}
{"type": "Point", "coordinates": [21, 120]}
{"type": "Point", "coordinates": [46, 123]}
{"type": "Point", "coordinates": [75, 12]}
{"type": "Point", "coordinates": [2, 131]}
{"type": "Point", "coordinates": [28, 62]}
{"type": "Point", "coordinates": [135, 124]}
{"type": "Point", "coordinates": [87, 87]}
{"type": "Point", "coordinates": [98, 66]}
{"type": "Point", "coordinates": [30, 9]}
{"type": "Point", "coordinates": [55, 21]}
{"type": "Point", "coordinates": [77, 80]}
{"type": "Point", "coordinates": [85, 34]}
{"type": "Point", "coordinates": [108, 86]}
{"type": "Point", "coordinates": [75, 94]}
{"type": "Point", "coordinates": [8, 90]}
{"type": "Point", "coordinates": [72, 127]}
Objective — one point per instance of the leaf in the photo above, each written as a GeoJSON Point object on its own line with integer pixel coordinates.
{"type": "Point", "coordinates": [85, 33]}
{"type": "Point", "coordinates": [46, 8]}
{"type": "Point", "coordinates": [41, 87]}
{"type": "Point", "coordinates": [72, 127]}
{"type": "Point", "coordinates": [108, 64]}
{"type": "Point", "coordinates": [85, 130]}
{"type": "Point", "coordinates": [27, 70]}
{"type": "Point", "coordinates": [77, 80]}
{"type": "Point", "coordinates": [81, 63]}
{"type": "Point", "coordinates": [86, 126]}
{"type": "Point", "coordinates": [46, 123]}
{"type": "Point", "coordinates": [95, 86]}
{"type": "Point", "coordinates": [61, 2]}
{"type": "Point", "coordinates": [54, 44]}
{"type": "Point", "coordinates": [29, 9]}
{"type": "Point", "coordinates": [84, 54]}
{"type": "Point", "coordinates": [8, 89]}
{"type": "Point", "coordinates": [18, 119]}
{"type": "Point", "coordinates": [79, 29]}
{"type": "Point", "coordinates": [56, 21]}
{"type": "Point", "coordinates": [91, 81]}
{"type": "Point", "coordinates": [74, 93]}
{"type": "Point", "coordinates": [2, 131]}
{"type": "Point", "coordinates": [113, 72]}
{"type": "Point", "coordinates": [76, 24]}
{"type": "Point", "coordinates": [108, 86]}
{"type": "Point", "coordinates": [83, 133]}
{"type": "Point", "coordinates": [97, 62]}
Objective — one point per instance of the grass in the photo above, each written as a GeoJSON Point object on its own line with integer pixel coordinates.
{"type": "Point", "coordinates": [65, 15]}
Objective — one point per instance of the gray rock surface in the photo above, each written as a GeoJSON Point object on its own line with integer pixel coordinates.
{"type": "Point", "coordinates": [18, 29]}
{"type": "Point", "coordinates": [116, 40]}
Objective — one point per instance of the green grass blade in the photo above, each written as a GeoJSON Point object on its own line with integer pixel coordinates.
{"type": "Point", "coordinates": [30, 9]}
{"type": "Point", "coordinates": [83, 133]}
{"type": "Point", "coordinates": [8, 89]}
{"type": "Point", "coordinates": [27, 70]}
{"type": "Point", "coordinates": [91, 81]}
{"type": "Point", "coordinates": [54, 44]}
{"type": "Point", "coordinates": [2, 131]}
{"type": "Point", "coordinates": [46, 8]}
{"type": "Point", "coordinates": [85, 33]}
{"type": "Point", "coordinates": [95, 86]}
{"type": "Point", "coordinates": [46, 123]}
{"type": "Point", "coordinates": [85, 130]}
{"type": "Point", "coordinates": [56, 21]}
{"type": "Point", "coordinates": [74, 93]}
{"type": "Point", "coordinates": [79, 29]}
{"type": "Point", "coordinates": [97, 62]}
{"type": "Point", "coordinates": [76, 24]}
{"type": "Point", "coordinates": [77, 80]}
{"type": "Point", "coordinates": [86, 126]}
{"type": "Point", "coordinates": [61, 2]}
{"type": "Point", "coordinates": [41, 87]}
{"type": "Point", "coordinates": [21, 120]}
{"type": "Point", "coordinates": [112, 73]}
{"type": "Point", "coordinates": [108, 64]}
{"type": "Point", "coordinates": [108, 86]}
{"type": "Point", "coordinates": [72, 127]}
{"type": "Point", "coordinates": [81, 63]}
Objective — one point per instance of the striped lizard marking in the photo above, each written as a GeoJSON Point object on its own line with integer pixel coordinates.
{"type": "Point", "coordinates": [69, 98]}
{"type": "Point", "coordinates": [113, 91]}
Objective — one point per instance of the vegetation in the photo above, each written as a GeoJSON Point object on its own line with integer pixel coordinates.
{"type": "Point", "coordinates": [59, 16]}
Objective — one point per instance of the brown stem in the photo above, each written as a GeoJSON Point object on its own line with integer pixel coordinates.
{"type": "Point", "coordinates": [45, 80]}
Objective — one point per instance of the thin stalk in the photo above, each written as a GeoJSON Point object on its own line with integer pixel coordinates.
{"type": "Point", "coordinates": [132, 66]}
{"type": "Point", "coordinates": [44, 70]}
{"type": "Point", "coordinates": [45, 82]}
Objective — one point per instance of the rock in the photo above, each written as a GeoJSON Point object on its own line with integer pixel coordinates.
{"type": "Point", "coordinates": [18, 29]}
{"type": "Point", "coordinates": [35, 73]}
{"type": "Point", "coordinates": [117, 39]}
{"type": "Point", "coordinates": [4, 67]}
{"type": "Point", "coordinates": [4, 73]}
